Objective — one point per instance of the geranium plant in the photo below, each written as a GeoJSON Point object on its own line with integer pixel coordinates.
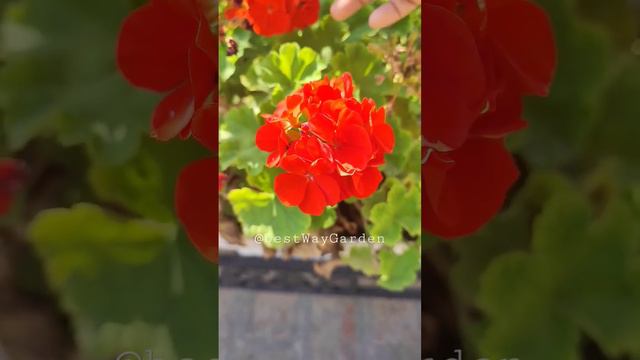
{"type": "Point", "coordinates": [319, 137]}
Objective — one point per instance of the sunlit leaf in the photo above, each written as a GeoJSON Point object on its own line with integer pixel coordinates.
{"type": "Point", "coordinates": [400, 212]}
{"type": "Point", "coordinates": [262, 215]}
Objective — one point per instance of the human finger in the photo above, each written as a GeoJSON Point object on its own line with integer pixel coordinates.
{"type": "Point", "coordinates": [391, 12]}
{"type": "Point", "coordinates": [342, 9]}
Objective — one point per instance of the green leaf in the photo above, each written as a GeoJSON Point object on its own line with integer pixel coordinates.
{"type": "Point", "coordinates": [111, 340]}
{"type": "Point", "coordinates": [506, 233]}
{"type": "Point", "coordinates": [78, 240]}
{"type": "Point", "coordinates": [66, 83]}
{"type": "Point", "coordinates": [523, 321]}
{"type": "Point", "coordinates": [361, 258]}
{"type": "Point", "coordinates": [227, 67]}
{"type": "Point", "coordinates": [368, 72]}
{"type": "Point", "coordinates": [105, 269]}
{"type": "Point", "coordinates": [407, 113]}
{"type": "Point", "coordinates": [400, 211]}
{"type": "Point", "coordinates": [237, 141]}
{"type": "Point", "coordinates": [618, 129]}
{"type": "Point", "coordinates": [324, 221]}
{"type": "Point", "coordinates": [327, 32]}
{"type": "Point", "coordinates": [285, 70]}
{"type": "Point", "coordinates": [145, 184]}
{"type": "Point", "coordinates": [616, 15]}
{"type": "Point", "coordinates": [561, 124]}
{"type": "Point", "coordinates": [398, 271]}
{"type": "Point", "coordinates": [135, 185]}
{"type": "Point", "coordinates": [406, 155]}
{"type": "Point", "coordinates": [580, 277]}
{"type": "Point", "coordinates": [174, 294]}
{"type": "Point", "coordinates": [358, 26]}
{"type": "Point", "coordinates": [260, 213]}
{"type": "Point", "coordinates": [192, 315]}
{"type": "Point", "coordinates": [263, 180]}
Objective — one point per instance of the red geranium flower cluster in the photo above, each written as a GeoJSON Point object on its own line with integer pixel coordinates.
{"type": "Point", "coordinates": [329, 144]}
{"type": "Point", "coordinates": [12, 176]}
{"type": "Point", "coordinates": [482, 57]}
{"type": "Point", "coordinates": [168, 46]}
{"type": "Point", "coordinates": [274, 17]}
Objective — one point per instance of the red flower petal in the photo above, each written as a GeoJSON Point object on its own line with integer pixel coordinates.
{"type": "Point", "coordinates": [290, 188]}
{"type": "Point", "coordinates": [235, 13]}
{"type": "Point", "coordinates": [197, 205]}
{"type": "Point", "coordinates": [314, 201]}
{"type": "Point", "coordinates": [304, 13]}
{"type": "Point", "coordinates": [322, 166]}
{"type": "Point", "coordinates": [323, 127]}
{"type": "Point", "coordinates": [173, 114]}
{"type": "Point", "coordinates": [294, 164]}
{"type": "Point", "coordinates": [522, 33]}
{"type": "Point", "coordinates": [383, 135]}
{"type": "Point", "coordinates": [205, 40]}
{"type": "Point", "coordinates": [267, 137]}
{"type": "Point", "coordinates": [434, 176]}
{"type": "Point", "coordinates": [262, 14]}
{"type": "Point", "coordinates": [293, 101]}
{"type": "Point", "coordinates": [203, 65]}
{"type": "Point", "coordinates": [454, 76]}
{"type": "Point", "coordinates": [12, 176]}
{"type": "Point", "coordinates": [353, 147]}
{"type": "Point", "coordinates": [505, 119]}
{"type": "Point", "coordinates": [204, 125]}
{"type": "Point", "coordinates": [326, 92]}
{"type": "Point", "coordinates": [462, 206]}
{"type": "Point", "coordinates": [330, 189]}
{"type": "Point", "coordinates": [345, 82]}
{"type": "Point", "coordinates": [366, 182]}
{"type": "Point", "coordinates": [153, 45]}
{"type": "Point", "coordinates": [202, 75]}
{"type": "Point", "coordinates": [222, 178]}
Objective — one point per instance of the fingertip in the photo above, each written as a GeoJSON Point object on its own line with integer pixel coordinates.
{"type": "Point", "coordinates": [342, 9]}
{"type": "Point", "coordinates": [378, 19]}
{"type": "Point", "coordinates": [374, 23]}
{"type": "Point", "coordinates": [337, 11]}
{"type": "Point", "coordinates": [390, 13]}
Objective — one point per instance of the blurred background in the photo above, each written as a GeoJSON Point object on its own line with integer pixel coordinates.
{"type": "Point", "coordinates": [93, 264]}
{"type": "Point", "coordinates": [557, 274]}
{"type": "Point", "coordinates": [92, 261]}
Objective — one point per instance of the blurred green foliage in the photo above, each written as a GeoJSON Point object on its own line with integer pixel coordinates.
{"type": "Point", "coordinates": [559, 268]}
{"type": "Point", "coordinates": [108, 239]}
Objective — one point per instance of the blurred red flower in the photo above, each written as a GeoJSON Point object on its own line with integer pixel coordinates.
{"type": "Point", "coordinates": [168, 46]}
{"type": "Point", "coordinates": [196, 194]}
{"type": "Point", "coordinates": [196, 200]}
{"type": "Point", "coordinates": [331, 156]}
{"type": "Point", "coordinates": [12, 177]}
{"type": "Point", "coordinates": [483, 57]}
{"type": "Point", "coordinates": [275, 17]}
